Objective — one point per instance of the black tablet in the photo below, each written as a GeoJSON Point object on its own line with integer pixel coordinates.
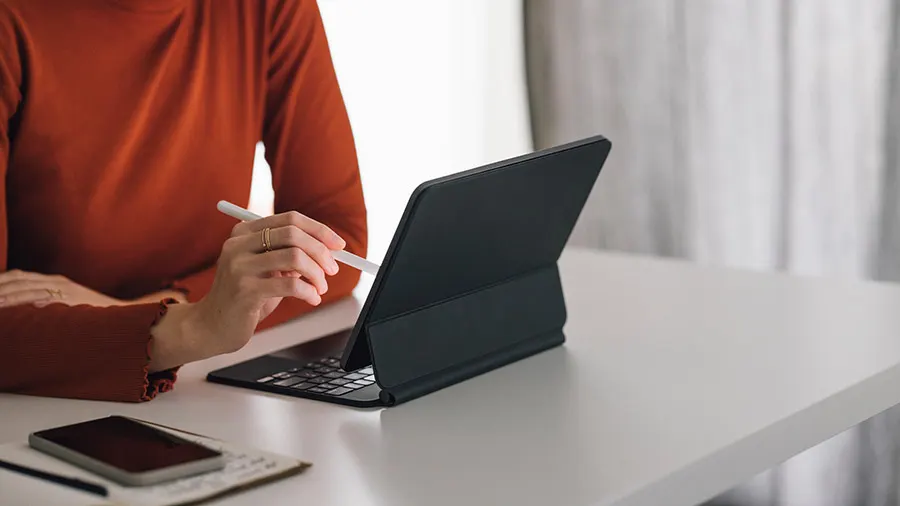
{"type": "Point", "coordinates": [469, 283]}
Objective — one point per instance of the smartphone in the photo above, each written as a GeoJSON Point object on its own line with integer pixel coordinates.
{"type": "Point", "coordinates": [126, 451]}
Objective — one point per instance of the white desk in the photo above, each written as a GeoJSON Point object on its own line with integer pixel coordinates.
{"type": "Point", "coordinates": [676, 383]}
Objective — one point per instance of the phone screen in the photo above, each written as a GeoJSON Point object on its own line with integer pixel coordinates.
{"type": "Point", "coordinates": [128, 445]}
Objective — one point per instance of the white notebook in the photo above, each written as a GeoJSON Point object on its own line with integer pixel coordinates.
{"type": "Point", "coordinates": [244, 468]}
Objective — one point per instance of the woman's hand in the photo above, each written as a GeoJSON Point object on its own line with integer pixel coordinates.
{"type": "Point", "coordinates": [20, 287]}
{"type": "Point", "coordinates": [250, 282]}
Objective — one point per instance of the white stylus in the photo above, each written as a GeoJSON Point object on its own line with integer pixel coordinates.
{"type": "Point", "coordinates": [345, 257]}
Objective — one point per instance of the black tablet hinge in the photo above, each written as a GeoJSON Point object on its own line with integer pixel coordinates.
{"type": "Point", "coordinates": [442, 344]}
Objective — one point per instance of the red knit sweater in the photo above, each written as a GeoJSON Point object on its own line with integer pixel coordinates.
{"type": "Point", "coordinates": [122, 123]}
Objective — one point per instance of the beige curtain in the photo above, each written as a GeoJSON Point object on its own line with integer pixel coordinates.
{"type": "Point", "coordinates": [750, 133]}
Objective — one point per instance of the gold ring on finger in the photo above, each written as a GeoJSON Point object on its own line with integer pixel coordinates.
{"type": "Point", "coordinates": [267, 238]}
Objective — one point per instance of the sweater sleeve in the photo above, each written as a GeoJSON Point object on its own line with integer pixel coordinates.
{"type": "Point", "coordinates": [81, 352]}
{"type": "Point", "coordinates": [309, 143]}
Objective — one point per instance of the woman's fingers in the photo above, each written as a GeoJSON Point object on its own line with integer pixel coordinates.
{"type": "Point", "coordinates": [296, 266]}
{"type": "Point", "coordinates": [288, 259]}
{"type": "Point", "coordinates": [317, 250]}
{"type": "Point", "coordinates": [25, 297]}
{"type": "Point", "coordinates": [292, 218]}
{"type": "Point", "coordinates": [289, 237]}
{"type": "Point", "coordinates": [289, 287]}
{"type": "Point", "coordinates": [17, 275]}
{"type": "Point", "coordinates": [26, 284]}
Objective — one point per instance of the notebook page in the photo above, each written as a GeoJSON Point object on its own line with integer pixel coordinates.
{"type": "Point", "coordinates": [244, 468]}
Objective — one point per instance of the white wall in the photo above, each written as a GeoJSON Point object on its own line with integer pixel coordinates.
{"type": "Point", "coordinates": [432, 87]}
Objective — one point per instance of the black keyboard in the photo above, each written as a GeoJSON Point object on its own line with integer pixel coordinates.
{"type": "Point", "coordinates": [323, 377]}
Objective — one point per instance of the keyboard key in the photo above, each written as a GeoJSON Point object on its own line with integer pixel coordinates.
{"type": "Point", "coordinates": [352, 386]}
{"type": "Point", "coordinates": [339, 382]}
{"type": "Point", "coordinates": [362, 383]}
{"type": "Point", "coordinates": [333, 362]}
{"type": "Point", "coordinates": [333, 375]}
{"type": "Point", "coordinates": [282, 375]}
{"type": "Point", "coordinates": [338, 391]}
{"type": "Point", "coordinates": [371, 377]}
{"type": "Point", "coordinates": [265, 380]}
{"type": "Point", "coordinates": [307, 374]}
{"type": "Point", "coordinates": [325, 368]}
{"type": "Point", "coordinates": [288, 382]}
{"type": "Point", "coordinates": [303, 386]}
{"type": "Point", "coordinates": [355, 376]}
{"type": "Point", "coordinates": [318, 380]}
{"type": "Point", "coordinates": [367, 370]}
{"type": "Point", "coordinates": [293, 369]}
{"type": "Point", "coordinates": [319, 389]}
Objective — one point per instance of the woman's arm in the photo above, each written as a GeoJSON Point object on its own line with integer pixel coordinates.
{"type": "Point", "coordinates": [308, 139]}
{"type": "Point", "coordinates": [309, 145]}
{"type": "Point", "coordinates": [81, 352]}
{"type": "Point", "coordinates": [84, 352]}
{"type": "Point", "coordinates": [109, 353]}
{"type": "Point", "coordinates": [59, 350]}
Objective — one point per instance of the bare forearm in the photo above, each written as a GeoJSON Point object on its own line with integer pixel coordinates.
{"type": "Point", "coordinates": [178, 338]}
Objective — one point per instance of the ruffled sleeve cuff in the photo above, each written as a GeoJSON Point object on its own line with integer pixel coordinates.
{"type": "Point", "coordinates": [162, 381]}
